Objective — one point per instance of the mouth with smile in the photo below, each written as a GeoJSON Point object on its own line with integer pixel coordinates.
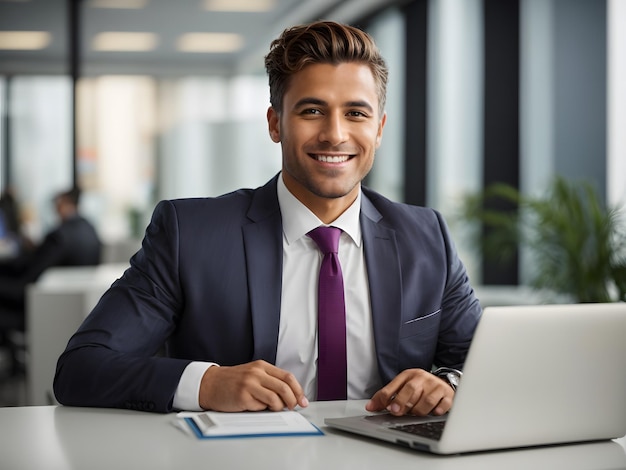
{"type": "Point", "coordinates": [329, 158]}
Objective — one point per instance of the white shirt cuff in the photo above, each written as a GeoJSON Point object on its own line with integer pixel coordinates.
{"type": "Point", "coordinates": [188, 390]}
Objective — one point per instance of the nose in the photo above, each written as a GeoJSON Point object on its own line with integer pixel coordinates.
{"type": "Point", "coordinates": [334, 129]}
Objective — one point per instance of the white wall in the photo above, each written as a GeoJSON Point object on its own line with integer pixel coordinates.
{"type": "Point", "coordinates": [214, 136]}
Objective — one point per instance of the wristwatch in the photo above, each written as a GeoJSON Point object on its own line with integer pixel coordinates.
{"type": "Point", "coordinates": [450, 375]}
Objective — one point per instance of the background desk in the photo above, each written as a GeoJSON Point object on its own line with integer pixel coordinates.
{"type": "Point", "coordinates": [51, 438]}
{"type": "Point", "coordinates": [56, 305]}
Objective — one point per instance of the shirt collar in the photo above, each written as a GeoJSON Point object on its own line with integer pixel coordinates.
{"type": "Point", "coordinates": [298, 220]}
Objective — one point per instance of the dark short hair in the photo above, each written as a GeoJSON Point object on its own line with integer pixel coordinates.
{"type": "Point", "coordinates": [72, 195]}
{"type": "Point", "coordinates": [321, 42]}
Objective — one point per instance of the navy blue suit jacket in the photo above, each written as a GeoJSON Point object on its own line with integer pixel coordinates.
{"type": "Point", "coordinates": [207, 285]}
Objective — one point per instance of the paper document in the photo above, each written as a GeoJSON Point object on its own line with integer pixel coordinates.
{"type": "Point", "coordinates": [214, 424]}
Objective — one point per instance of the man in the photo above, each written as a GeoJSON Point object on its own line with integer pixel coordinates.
{"type": "Point", "coordinates": [229, 284]}
{"type": "Point", "coordinates": [74, 242]}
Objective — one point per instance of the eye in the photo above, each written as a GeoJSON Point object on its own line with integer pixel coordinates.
{"type": "Point", "coordinates": [310, 111]}
{"type": "Point", "coordinates": [357, 114]}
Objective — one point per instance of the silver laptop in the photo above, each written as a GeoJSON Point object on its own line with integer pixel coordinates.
{"type": "Point", "coordinates": [534, 375]}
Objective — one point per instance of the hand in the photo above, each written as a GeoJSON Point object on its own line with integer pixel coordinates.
{"type": "Point", "coordinates": [253, 386]}
{"type": "Point", "coordinates": [413, 391]}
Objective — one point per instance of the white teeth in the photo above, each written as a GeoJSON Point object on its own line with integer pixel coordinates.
{"type": "Point", "coordinates": [330, 159]}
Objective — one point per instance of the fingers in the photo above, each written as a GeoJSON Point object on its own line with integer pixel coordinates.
{"type": "Point", "coordinates": [253, 386]}
{"type": "Point", "coordinates": [436, 402]}
{"type": "Point", "coordinates": [382, 398]}
{"type": "Point", "coordinates": [386, 397]}
{"type": "Point", "coordinates": [278, 389]}
{"type": "Point", "coordinates": [413, 391]}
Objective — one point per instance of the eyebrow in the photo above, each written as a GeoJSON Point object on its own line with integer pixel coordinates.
{"type": "Point", "coordinates": [318, 102]}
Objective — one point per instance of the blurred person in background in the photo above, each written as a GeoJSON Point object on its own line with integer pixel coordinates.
{"type": "Point", "coordinates": [12, 239]}
{"type": "Point", "coordinates": [73, 242]}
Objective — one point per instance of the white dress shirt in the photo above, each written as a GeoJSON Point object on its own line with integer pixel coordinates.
{"type": "Point", "coordinates": [297, 336]}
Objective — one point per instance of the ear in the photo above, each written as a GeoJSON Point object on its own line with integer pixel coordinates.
{"type": "Point", "coordinates": [273, 123]}
{"type": "Point", "coordinates": [381, 125]}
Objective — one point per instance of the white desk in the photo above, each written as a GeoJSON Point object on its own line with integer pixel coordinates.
{"type": "Point", "coordinates": [55, 438]}
{"type": "Point", "coordinates": [56, 305]}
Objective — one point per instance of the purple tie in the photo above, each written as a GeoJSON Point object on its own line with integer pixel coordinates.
{"type": "Point", "coordinates": [331, 321]}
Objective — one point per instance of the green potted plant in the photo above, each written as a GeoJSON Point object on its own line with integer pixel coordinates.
{"type": "Point", "coordinates": [577, 244]}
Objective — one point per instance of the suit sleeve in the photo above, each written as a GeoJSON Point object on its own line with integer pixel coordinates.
{"type": "Point", "coordinates": [113, 359]}
{"type": "Point", "coordinates": [460, 307]}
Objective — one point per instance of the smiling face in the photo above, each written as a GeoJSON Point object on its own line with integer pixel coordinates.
{"type": "Point", "coordinates": [329, 129]}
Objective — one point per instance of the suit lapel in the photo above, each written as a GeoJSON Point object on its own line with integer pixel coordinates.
{"type": "Point", "coordinates": [383, 270]}
{"type": "Point", "coordinates": [264, 260]}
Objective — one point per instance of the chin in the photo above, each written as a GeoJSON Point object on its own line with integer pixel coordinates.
{"type": "Point", "coordinates": [331, 192]}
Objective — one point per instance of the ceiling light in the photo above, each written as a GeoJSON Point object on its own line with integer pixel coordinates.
{"type": "Point", "coordinates": [210, 42]}
{"type": "Point", "coordinates": [24, 40]}
{"type": "Point", "coordinates": [239, 5]}
{"type": "Point", "coordinates": [121, 4]}
{"type": "Point", "coordinates": [124, 42]}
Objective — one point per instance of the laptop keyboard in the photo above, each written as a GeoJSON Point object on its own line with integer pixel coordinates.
{"type": "Point", "coordinates": [430, 430]}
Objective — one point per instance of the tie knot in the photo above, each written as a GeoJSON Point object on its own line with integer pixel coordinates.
{"type": "Point", "coordinates": [327, 238]}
